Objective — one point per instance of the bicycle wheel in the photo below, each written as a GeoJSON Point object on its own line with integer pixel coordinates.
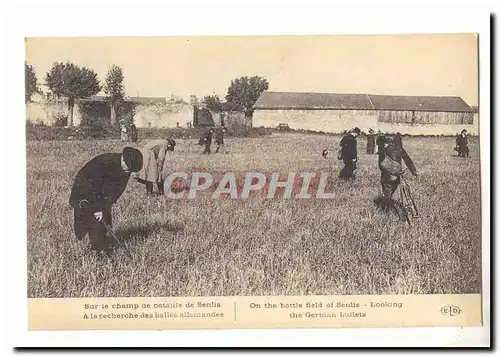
{"type": "Point", "coordinates": [411, 201]}
{"type": "Point", "coordinates": [403, 205]}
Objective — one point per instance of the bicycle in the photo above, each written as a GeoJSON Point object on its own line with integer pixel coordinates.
{"type": "Point", "coordinates": [408, 204]}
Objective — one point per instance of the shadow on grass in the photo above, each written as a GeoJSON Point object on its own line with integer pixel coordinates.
{"type": "Point", "coordinates": [138, 233]}
{"type": "Point", "coordinates": [390, 207]}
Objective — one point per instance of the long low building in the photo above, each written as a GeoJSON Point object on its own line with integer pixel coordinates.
{"type": "Point", "coordinates": [334, 113]}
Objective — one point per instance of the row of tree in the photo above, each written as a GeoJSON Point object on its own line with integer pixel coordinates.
{"type": "Point", "coordinates": [72, 82]}
{"type": "Point", "coordinates": [241, 95]}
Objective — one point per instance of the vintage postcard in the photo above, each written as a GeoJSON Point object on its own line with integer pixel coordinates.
{"type": "Point", "coordinates": [232, 182]}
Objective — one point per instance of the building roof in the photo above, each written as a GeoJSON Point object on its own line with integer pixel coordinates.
{"type": "Point", "coordinates": [148, 100]}
{"type": "Point", "coordinates": [140, 100]}
{"type": "Point", "coordinates": [420, 103]}
{"type": "Point", "coordinates": [293, 100]}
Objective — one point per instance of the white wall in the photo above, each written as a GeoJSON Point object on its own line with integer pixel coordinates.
{"type": "Point", "coordinates": [336, 121]}
{"type": "Point", "coordinates": [46, 112]}
{"type": "Point", "coordinates": [167, 117]}
{"type": "Point", "coordinates": [330, 121]}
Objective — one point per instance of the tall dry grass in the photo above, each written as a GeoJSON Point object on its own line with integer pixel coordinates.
{"type": "Point", "coordinates": [259, 247]}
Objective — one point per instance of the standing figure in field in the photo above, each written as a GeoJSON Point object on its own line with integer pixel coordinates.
{"type": "Point", "coordinates": [462, 144]}
{"type": "Point", "coordinates": [219, 140]}
{"type": "Point", "coordinates": [206, 140]}
{"type": "Point", "coordinates": [398, 140]}
{"type": "Point", "coordinates": [390, 157]}
{"type": "Point", "coordinates": [133, 133]}
{"type": "Point", "coordinates": [155, 153]}
{"type": "Point", "coordinates": [123, 130]}
{"type": "Point", "coordinates": [97, 186]}
{"type": "Point", "coordinates": [349, 154]}
{"type": "Point", "coordinates": [344, 134]}
{"type": "Point", "coordinates": [370, 142]}
{"type": "Point", "coordinates": [379, 141]}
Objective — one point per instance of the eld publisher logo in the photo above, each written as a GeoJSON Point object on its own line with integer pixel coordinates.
{"type": "Point", "coordinates": [450, 310]}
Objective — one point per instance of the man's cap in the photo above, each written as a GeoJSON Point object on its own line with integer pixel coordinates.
{"type": "Point", "coordinates": [132, 158]}
{"type": "Point", "coordinates": [356, 130]}
{"type": "Point", "coordinates": [171, 144]}
{"type": "Point", "coordinates": [371, 130]}
{"type": "Point", "coordinates": [464, 131]}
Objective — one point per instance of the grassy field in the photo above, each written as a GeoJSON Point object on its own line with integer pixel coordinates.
{"type": "Point", "coordinates": [207, 247]}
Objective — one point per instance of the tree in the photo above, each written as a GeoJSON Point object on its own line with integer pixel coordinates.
{"type": "Point", "coordinates": [72, 82]}
{"type": "Point", "coordinates": [29, 82]}
{"type": "Point", "coordinates": [213, 103]}
{"type": "Point", "coordinates": [114, 90]}
{"type": "Point", "coordinates": [244, 92]}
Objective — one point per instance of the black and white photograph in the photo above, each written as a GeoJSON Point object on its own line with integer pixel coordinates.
{"type": "Point", "coordinates": [253, 165]}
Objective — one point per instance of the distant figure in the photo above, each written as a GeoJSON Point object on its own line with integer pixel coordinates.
{"type": "Point", "coordinates": [398, 140]}
{"type": "Point", "coordinates": [390, 164]}
{"type": "Point", "coordinates": [154, 154]}
{"type": "Point", "coordinates": [133, 133]}
{"type": "Point", "coordinates": [379, 142]}
{"type": "Point", "coordinates": [219, 140]}
{"type": "Point", "coordinates": [370, 142]}
{"type": "Point", "coordinates": [349, 154]}
{"type": "Point", "coordinates": [462, 144]}
{"type": "Point", "coordinates": [339, 155]}
{"type": "Point", "coordinates": [206, 140]}
{"type": "Point", "coordinates": [97, 186]}
{"type": "Point", "coordinates": [123, 130]}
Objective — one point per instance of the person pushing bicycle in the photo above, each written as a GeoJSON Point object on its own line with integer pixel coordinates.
{"type": "Point", "coordinates": [391, 156]}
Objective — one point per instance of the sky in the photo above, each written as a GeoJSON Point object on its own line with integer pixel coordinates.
{"type": "Point", "coordinates": [444, 64]}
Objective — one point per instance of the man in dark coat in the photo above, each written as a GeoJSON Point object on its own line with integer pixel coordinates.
{"type": "Point", "coordinates": [97, 186]}
{"type": "Point", "coordinates": [462, 144]}
{"type": "Point", "coordinates": [391, 156]}
{"type": "Point", "coordinates": [133, 133]}
{"type": "Point", "coordinates": [219, 140]}
{"type": "Point", "coordinates": [398, 140]}
{"type": "Point", "coordinates": [349, 154]}
{"type": "Point", "coordinates": [370, 142]}
{"type": "Point", "coordinates": [379, 141]}
{"type": "Point", "coordinates": [207, 140]}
